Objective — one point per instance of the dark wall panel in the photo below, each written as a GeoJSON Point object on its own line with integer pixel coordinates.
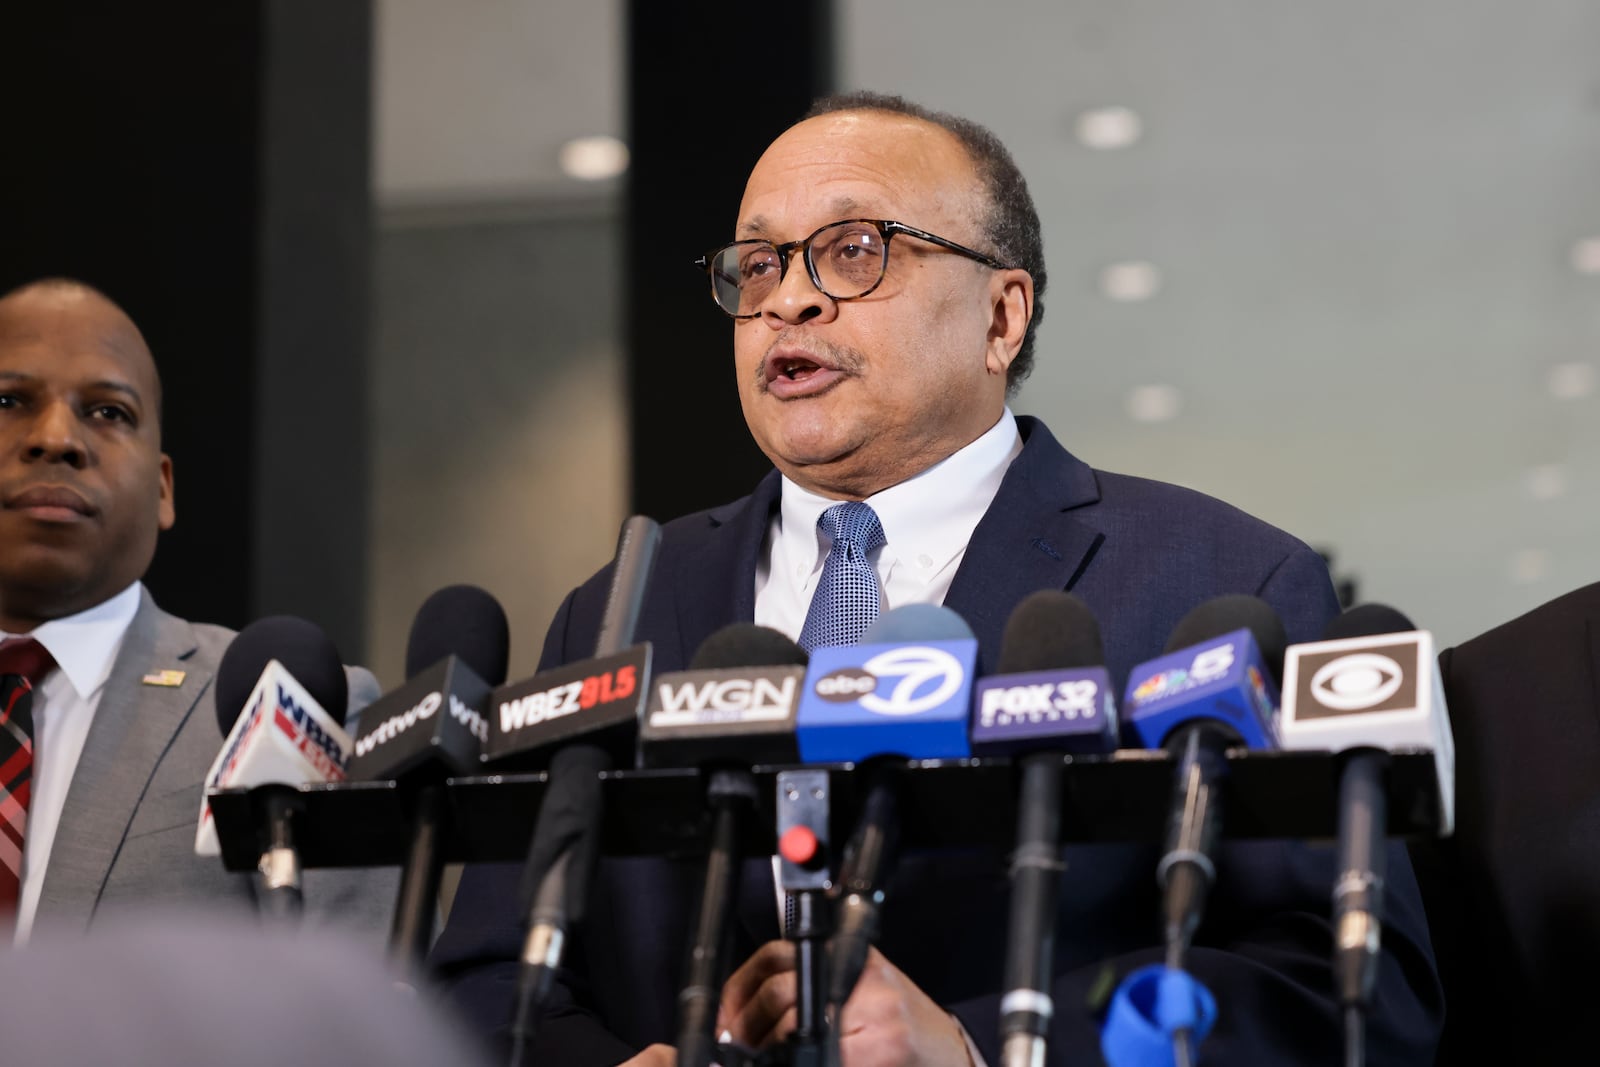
{"type": "Point", "coordinates": [164, 155]}
{"type": "Point", "coordinates": [710, 86]}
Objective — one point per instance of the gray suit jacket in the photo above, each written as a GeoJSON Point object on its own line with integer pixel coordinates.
{"type": "Point", "coordinates": [126, 835]}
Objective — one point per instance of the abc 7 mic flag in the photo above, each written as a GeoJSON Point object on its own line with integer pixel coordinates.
{"type": "Point", "coordinates": [906, 699]}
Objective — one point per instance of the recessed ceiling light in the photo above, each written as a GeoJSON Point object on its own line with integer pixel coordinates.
{"type": "Point", "coordinates": [594, 159]}
{"type": "Point", "coordinates": [1586, 256]}
{"type": "Point", "coordinates": [1154, 403]}
{"type": "Point", "coordinates": [1529, 565]}
{"type": "Point", "coordinates": [1109, 127]}
{"type": "Point", "coordinates": [1571, 381]}
{"type": "Point", "coordinates": [1132, 281]}
{"type": "Point", "coordinates": [1546, 481]}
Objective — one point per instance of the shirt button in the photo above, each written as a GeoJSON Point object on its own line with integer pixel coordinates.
{"type": "Point", "coordinates": [924, 561]}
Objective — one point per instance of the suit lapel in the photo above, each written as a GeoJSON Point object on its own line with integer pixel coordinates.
{"type": "Point", "coordinates": [1027, 540]}
{"type": "Point", "coordinates": [714, 583]}
{"type": "Point", "coordinates": [133, 726]}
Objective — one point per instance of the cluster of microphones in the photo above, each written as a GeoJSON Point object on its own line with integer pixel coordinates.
{"type": "Point", "coordinates": [768, 727]}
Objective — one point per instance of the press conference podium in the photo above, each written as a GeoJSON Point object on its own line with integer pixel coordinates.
{"type": "Point", "coordinates": [1124, 796]}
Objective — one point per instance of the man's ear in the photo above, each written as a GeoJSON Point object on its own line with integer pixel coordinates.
{"type": "Point", "coordinates": [1011, 309]}
{"type": "Point", "coordinates": [166, 516]}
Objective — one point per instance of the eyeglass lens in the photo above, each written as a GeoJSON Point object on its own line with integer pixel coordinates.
{"type": "Point", "coordinates": [848, 259]}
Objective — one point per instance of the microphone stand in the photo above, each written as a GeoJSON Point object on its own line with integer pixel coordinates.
{"type": "Point", "coordinates": [730, 794]}
{"type": "Point", "coordinates": [1026, 1008]}
{"type": "Point", "coordinates": [280, 896]}
{"type": "Point", "coordinates": [418, 897]}
{"type": "Point", "coordinates": [806, 875]}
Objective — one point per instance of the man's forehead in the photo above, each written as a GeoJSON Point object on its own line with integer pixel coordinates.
{"type": "Point", "coordinates": [838, 207]}
{"type": "Point", "coordinates": [70, 323]}
{"type": "Point", "coordinates": [855, 164]}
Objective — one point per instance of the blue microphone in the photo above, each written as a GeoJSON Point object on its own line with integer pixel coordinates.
{"type": "Point", "coordinates": [1225, 677]}
{"type": "Point", "coordinates": [903, 692]}
{"type": "Point", "coordinates": [1216, 687]}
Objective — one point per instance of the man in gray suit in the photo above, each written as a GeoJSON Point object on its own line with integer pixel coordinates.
{"type": "Point", "coordinates": [110, 748]}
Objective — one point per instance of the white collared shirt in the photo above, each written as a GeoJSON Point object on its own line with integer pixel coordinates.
{"type": "Point", "coordinates": [927, 521]}
{"type": "Point", "coordinates": [85, 646]}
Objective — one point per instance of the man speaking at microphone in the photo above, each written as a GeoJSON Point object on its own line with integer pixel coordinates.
{"type": "Point", "coordinates": [108, 723]}
{"type": "Point", "coordinates": [884, 287]}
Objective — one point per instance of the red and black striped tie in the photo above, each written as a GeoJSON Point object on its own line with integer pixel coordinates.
{"type": "Point", "coordinates": [23, 664]}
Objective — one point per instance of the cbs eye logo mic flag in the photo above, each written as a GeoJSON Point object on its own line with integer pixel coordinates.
{"type": "Point", "coordinates": [898, 699]}
{"type": "Point", "coordinates": [1359, 682]}
{"type": "Point", "coordinates": [1382, 691]}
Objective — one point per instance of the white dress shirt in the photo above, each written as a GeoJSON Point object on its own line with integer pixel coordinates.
{"type": "Point", "coordinates": [927, 521]}
{"type": "Point", "coordinates": [85, 646]}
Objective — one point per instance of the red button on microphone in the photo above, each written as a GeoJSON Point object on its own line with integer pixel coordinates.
{"type": "Point", "coordinates": [798, 845]}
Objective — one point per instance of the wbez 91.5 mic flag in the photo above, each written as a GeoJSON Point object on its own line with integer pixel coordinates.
{"type": "Point", "coordinates": [579, 721]}
{"type": "Point", "coordinates": [1052, 696]}
{"type": "Point", "coordinates": [1369, 687]}
{"type": "Point", "coordinates": [428, 729]}
{"type": "Point", "coordinates": [275, 682]}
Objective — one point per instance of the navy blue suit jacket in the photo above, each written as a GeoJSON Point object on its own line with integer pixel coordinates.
{"type": "Point", "coordinates": [1141, 554]}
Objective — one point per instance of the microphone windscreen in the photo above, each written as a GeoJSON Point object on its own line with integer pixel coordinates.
{"type": "Point", "coordinates": [1367, 620]}
{"type": "Point", "coordinates": [1224, 614]}
{"type": "Point", "coordinates": [464, 621]}
{"type": "Point", "coordinates": [1050, 631]}
{"type": "Point", "coordinates": [917, 622]}
{"type": "Point", "coordinates": [745, 644]}
{"type": "Point", "coordinates": [305, 652]}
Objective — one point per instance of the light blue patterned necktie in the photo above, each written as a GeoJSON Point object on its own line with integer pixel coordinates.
{"type": "Point", "coordinates": [847, 597]}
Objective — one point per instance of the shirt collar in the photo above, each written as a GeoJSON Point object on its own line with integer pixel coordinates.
{"type": "Point", "coordinates": [930, 515]}
{"type": "Point", "coordinates": [85, 645]}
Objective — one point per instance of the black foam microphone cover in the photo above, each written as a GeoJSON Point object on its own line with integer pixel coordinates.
{"type": "Point", "coordinates": [744, 644]}
{"type": "Point", "coordinates": [464, 621]}
{"type": "Point", "coordinates": [1225, 614]}
{"type": "Point", "coordinates": [1367, 620]}
{"type": "Point", "coordinates": [305, 652]}
{"type": "Point", "coordinates": [1050, 631]}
